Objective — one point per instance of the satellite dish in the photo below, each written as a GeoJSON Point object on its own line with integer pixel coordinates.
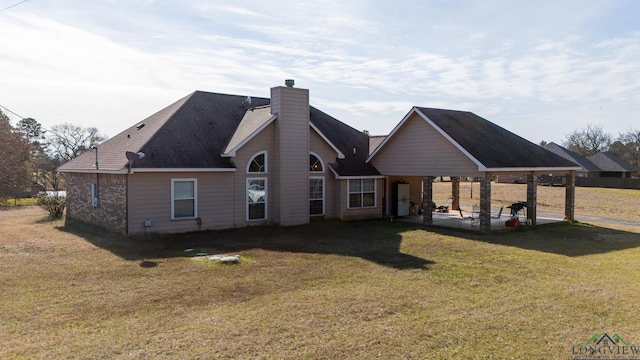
{"type": "Point", "coordinates": [247, 102]}
{"type": "Point", "coordinates": [131, 156]}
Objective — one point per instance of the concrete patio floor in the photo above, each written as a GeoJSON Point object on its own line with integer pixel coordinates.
{"type": "Point", "coordinates": [452, 219]}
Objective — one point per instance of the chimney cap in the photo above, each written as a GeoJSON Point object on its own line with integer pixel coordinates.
{"type": "Point", "coordinates": [289, 82]}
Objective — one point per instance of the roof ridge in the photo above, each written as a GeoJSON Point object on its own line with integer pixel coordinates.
{"type": "Point", "coordinates": [156, 133]}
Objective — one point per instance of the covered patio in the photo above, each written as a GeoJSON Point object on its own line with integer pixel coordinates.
{"type": "Point", "coordinates": [453, 220]}
{"type": "Point", "coordinates": [430, 143]}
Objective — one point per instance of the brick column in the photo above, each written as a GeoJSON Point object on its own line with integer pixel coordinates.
{"type": "Point", "coordinates": [532, 194]}
{"type": "Point", "coordinates": [485, 203]}
{"type": "Point", "coordinates": [455, 192]}
{"type": "Point", "coordinates": [427, 200]}
{"type": "Point", "coordinates": [570, 197]}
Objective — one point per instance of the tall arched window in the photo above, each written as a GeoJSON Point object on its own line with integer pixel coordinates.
{"type": "Point", "coordinates": [257, 187]}
{"type": "Point", "coordinates": [316, 186]}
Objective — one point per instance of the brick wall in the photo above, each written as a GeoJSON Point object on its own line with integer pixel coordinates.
{"type": "Point", "coordinates": [111, 214]}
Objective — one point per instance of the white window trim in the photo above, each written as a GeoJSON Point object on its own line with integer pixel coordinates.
{"type": "Point", "coordinates": [266, 198]}
{"type": "Point", "coordinates": [321, 163]}
{"type": "Point", "coordinates": [375, 195]}
{"type": "Point", "coordinates": [266, 162]}
{"type": "Point", "coordinates": [195, 199]}
{"type": "Point", "coordinates": [323, 194]}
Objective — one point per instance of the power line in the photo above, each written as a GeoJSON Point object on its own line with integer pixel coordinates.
{"type": "Point", "coordinates": [21, 117]}
{"type": "Point", "coordinates": [16, 4]}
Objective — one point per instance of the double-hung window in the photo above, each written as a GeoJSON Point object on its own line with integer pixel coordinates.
{"type": "Point", "coordinates": [362, 193]}
{"type": "Point", "coordinates": [316, 195]}
{"type": "Point", "coordinates": [184, 198]}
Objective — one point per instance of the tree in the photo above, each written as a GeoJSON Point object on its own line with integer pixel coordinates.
{"type": "Point", "coordinates": [589, 141]}
{"type": "Point", "coordinates": [15, 168]}
{"type": "Point", "coordinates": [627, 147]}
{"type": "Point", "coordinates": [31, 129]}
{"type": "Point", "coordinates": [67, 141]}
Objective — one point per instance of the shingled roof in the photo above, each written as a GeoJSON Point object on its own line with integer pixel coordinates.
{"type": "Point", "coordinates": [606, 161]}
{"type": "Point", "coordinates": [202, 131]}
{"type": "Point", "coordinates": [490, 146]}
{"type": "Point", "coordinates": [585, 163]}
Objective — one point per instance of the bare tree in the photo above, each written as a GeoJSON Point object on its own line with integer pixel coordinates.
{"type": "Point", "coordinates": [15, 168]}
{"type": "Point", "coordinates": [589, 141]}
{"type": "Point", "coordinates": [627, 147]}
{"type": "Point", "coordinates": [68, 141]}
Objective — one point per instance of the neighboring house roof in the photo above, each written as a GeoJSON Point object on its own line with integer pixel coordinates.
{"type": "Point", "coordinates": [606, 161]}
{"type": "Point", "coordinates": [585, 163]}
{"type": "Point", "coordinates": [490, 146]}
{"type": "Point", "coordinates": [203, 130]}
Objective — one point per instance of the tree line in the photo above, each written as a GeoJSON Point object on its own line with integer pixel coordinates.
{"type": "Point", "coordinates": [30, 154]}
{"type": "Point", "coordinates": [594, 139]}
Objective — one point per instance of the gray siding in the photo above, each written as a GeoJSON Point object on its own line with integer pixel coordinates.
{"type": "Point", "coordinates": [150, 198]}
{"type": "Point", "coordinates": [261, 142]}
{"type": "Point", "coordinates": [328, 155]}
{"type": "Point", "coordinates": [417, 149]}
{"type": "Point", "coordinates": [292, 154]}
{"type": "Point", "coordinates": [362, 213]}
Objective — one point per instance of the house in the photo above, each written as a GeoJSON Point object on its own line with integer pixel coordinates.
{"type": "Point", "coordinates": [213, 161]}
{"type": "Point", "coordinates": [587, 168]}
{"type": "Point", "coordinates": [611, 165]}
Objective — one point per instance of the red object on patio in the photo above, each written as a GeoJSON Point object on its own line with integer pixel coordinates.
{"type": "Point", "coordinates": [512, 222]}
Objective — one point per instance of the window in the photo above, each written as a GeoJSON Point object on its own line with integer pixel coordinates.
{"type": "Point", "coordinates": [95, 200]}
{"type": "Point", "coordinates": [315, 164]}
{"type": "Point", "coordinates": [258, 163]}
{"type": "Point", "coordinates": [257, 199]}
{"type": "Point", "coordinates": [362, 193]}
{"type": "Point", "coordinates": [316, 196]}
{"type": "Point", "coordinates": [184, 202]}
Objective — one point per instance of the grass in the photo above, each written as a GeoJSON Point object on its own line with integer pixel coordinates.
{"type": "Point", "coordinates": [374, 289]}
{"type": "Point", "coordinates": [18, 202]}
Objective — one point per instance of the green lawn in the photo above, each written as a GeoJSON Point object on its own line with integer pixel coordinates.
{"type": "Point", "coordinates": [327, 290]}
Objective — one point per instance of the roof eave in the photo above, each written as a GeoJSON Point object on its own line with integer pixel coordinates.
{"type": "Point", "coordinates": [123, 170]}
{"type": "Point", "coordinates": [179, 170]}
{"type": "Point", "coordinates": [340, 154]}
{"type": "Point", "coordinates": [530, 169]}
{"type": "Point", "coordinates": [232, 152]}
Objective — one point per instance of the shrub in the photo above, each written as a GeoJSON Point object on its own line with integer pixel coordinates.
{"type": "Point", "coordinates": [53, 204]}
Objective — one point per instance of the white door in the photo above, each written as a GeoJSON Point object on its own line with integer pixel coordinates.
{"type": "Point", "coordinates": [403, 200]}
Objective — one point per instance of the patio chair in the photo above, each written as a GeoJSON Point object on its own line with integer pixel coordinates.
{"type": "Point", "coordinates": [472, 220]}
{"type": "Point", "coordinates": [444, 208]}
{"type": "Point", "coordinates": [499, 213]}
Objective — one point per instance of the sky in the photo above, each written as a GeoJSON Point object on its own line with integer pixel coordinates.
{"type": "Point", "coordinates": [541, 69]}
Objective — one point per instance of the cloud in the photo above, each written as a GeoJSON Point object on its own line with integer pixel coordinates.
{"type": "Point", "coordinates": [114, 60]}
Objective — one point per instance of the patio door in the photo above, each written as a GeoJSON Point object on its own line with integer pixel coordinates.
{"type": "Point", "coordinates": [403, 199]}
